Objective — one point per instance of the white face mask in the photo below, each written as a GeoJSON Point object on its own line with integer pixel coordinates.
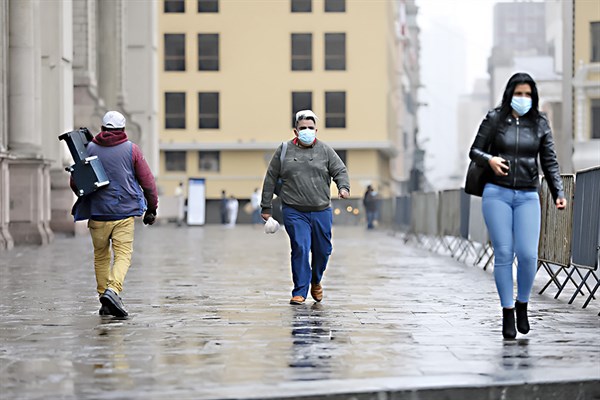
{"type": "Point", "coordinates": [521, 105]}
{"type": "Point", "coordinates": [307, 135]}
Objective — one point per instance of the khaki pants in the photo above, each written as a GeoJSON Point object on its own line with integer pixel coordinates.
{"type": "Point", "coordinates": [120, 232]}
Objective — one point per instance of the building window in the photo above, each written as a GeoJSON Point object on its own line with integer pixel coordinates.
{"type": "Point", "coordinates": [301, 51]}
{"type": "Point", "coordinates": [595, 118]}
{"type": "Point", "coordinates": [175, 110]}
{"type": "Point", "coordinates": [335, 51]}
{"type": "Point", "coordinates": [335, 109]}
{"type": "Point", "coordinates": [209, 161]}
{"type": "Point", "coordinates": [175, 161]}
{"type": "Point", "coordinates": [335, 5]}
{"type": "Point", "coordinates": [174, 52]}
{"type": "Point", "coordinates": [208, 52]}
{"type": "Point", "coordinates": [342, 154]}
{"type": "Point", "coordinates": [208, 110]}
{"type": "Point", "coordinates": [174, 6]}
{"type": "Point", "coordinates": [595, 40]}
{"type": "Point", "coordinates": [208, 6]}
{"type": "Point", "coordinates": [300, 101]}
{"type": "Point", "coordinates": [301, 5]}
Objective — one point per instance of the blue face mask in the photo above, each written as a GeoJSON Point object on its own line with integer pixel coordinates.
{"type": "Point", "coordinates": [307, 136]}
{"type": "Point", "coordinates": [521, 105]}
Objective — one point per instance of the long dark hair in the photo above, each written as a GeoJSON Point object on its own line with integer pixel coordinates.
{"type": "Point", "coordinates": [518, 79]}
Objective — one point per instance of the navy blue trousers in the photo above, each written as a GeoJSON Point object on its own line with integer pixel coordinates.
{"type": "Point", "coordinates": [310, 236]}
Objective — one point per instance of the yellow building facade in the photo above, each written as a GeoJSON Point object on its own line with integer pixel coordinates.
{"type": "Point", "coordinates": [586, 83]}
{"type": "Point", "coordinates": [233, 72]}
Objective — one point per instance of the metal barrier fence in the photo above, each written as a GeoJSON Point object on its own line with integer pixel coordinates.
{"type": "Point", "coordinates": [586, 236]}
{"type": "Point", "coordinates": [554, 249]}
{"type": "Point", "coordinates": [424, 219]}
{"type": "Point", "coordinates": [584, 239]}
{"type": "Point", "coordinates": [403, 213]}
{"type": "Point", "coordinates": [465, 208]}
{"type": "Point", "coordinates": [569, 239]}
{"type": "Point", "coordinates": [449, 220]}
{"type": "Point", "coordinates": [449, 213]}
{"type": "Point", "coordinates": [586, 217]}
{"type": "Point", "coordinates": [478, 233]}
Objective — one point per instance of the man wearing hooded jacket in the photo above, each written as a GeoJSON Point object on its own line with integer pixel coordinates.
{"type": "Point", "coordinates": [110, 211]}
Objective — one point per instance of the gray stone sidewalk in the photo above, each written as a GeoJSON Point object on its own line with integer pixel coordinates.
{"type": "Point", "coordinates": [209, 318]}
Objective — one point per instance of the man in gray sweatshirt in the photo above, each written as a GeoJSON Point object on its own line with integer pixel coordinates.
{"type": "Point", "coordinates": [306, 169]}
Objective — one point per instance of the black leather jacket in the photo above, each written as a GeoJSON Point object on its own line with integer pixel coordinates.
{"type": "Point", "coordinates": [520, 141]}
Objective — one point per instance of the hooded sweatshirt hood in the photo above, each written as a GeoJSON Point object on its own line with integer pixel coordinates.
{"type": "Point", "coordinates": [110, 138]}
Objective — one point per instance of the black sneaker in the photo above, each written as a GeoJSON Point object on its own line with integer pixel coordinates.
{"type": "Point", "coordinates": [114, 303]}
{"type": "Point", "coordinates": [104, 310]}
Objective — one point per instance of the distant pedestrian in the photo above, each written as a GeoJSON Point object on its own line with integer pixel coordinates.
{"type": "Point", "coordinates": [180, 198]}
{"type": "Point", "coordinates": [370, 202]}
{"type": "Point", "coordinates": [306, 171]}
{"type": "Point", "coordinates": [232, 210]}
{"type": "Point", "coordinates": [509, 141]}
{"type": "Point", "coordinates": [111, 210]}
{"type": "Point", "coordinates": [255, 204]}
{"type": "Point", "coordinates": [223, 207]}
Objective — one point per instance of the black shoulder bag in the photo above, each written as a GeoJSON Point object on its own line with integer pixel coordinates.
{"type": "Point", "coordinates": [478, 176]}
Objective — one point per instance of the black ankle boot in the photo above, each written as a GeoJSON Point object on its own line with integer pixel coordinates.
{"type": "Point", "coordinates": [522, 321]}
{"type": "Point", "coordinates": [508, 323]}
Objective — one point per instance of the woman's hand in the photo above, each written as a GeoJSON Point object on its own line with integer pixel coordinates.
{"type": "Point", "coordinates": [561, 203]}
{"type": "Point", "coordinates": [498, 166]}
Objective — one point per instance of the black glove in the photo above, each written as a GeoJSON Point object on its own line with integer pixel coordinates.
{"type": "Point", "coordinates": [149, 217]}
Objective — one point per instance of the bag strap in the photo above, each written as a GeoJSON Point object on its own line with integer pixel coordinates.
{"type": "Point", "coordinates": [282, 155]}
{"type": "Point", "coordinates": [495, 125]}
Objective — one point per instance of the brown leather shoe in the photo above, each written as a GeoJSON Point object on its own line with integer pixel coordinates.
{"type": "Point", "coordinates": [316, 291]}
{"type": "Point", "coordinates": [297, 300]}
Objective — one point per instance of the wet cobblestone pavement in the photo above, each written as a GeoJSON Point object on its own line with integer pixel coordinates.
{"type": "Point", "coordinates": [209, 318]}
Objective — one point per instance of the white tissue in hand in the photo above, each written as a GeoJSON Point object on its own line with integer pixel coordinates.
{"type": "Point", "coordinates": [271, 226]}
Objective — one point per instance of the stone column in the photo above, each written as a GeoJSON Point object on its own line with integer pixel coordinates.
{"type": "Point", "coordinates": [27, 202]}
{"type": "Point", "coordinates": [141, 78]}
{"type": "Point", "coordinates": [112, 69]}
{"type": "Point", "coordinates": [57, 106]}
{"type": "Point", "coordinates": [23, 137]}
{"type": "Point", "coordinates": [565, 148]}
{"type": "Point", "coordinates": [6, 241]}
{"type": "Point", "coordinates": [88, 107]}
{"type": "Point", "coordinates": [581, 115]}
{"type": "Point", "coordinates": [3, 76]}
{"type": "Point", "coordinates": [110, 47]}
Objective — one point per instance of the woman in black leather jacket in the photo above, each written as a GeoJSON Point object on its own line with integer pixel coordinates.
{"type": "Point", "coordinates": [509, 141]}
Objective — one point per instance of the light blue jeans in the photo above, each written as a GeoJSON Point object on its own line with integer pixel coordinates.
{"type": "Point", "coordinates": [513, 221]}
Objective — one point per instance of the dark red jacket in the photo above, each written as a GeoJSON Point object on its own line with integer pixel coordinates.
{"type": "Point", "coordinates": [127, 170]}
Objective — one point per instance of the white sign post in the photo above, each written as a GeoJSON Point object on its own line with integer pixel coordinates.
{"type": "Point", "coordinates": [196, 208]}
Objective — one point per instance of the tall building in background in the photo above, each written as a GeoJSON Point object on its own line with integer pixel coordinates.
{"type": "Point", "coordinates": [472, 108]}
{"type": "Point", "coordinates": [582, 80]}
{"type": "Point", "coordinates": [519, 31]}
{"type": "Point", "coordinates": [442, 39]}
{"type": "Point", "coordinates": [233, 73]}
{"type": "Point", "coordinates": [62, 65]}
{"type": "Point", "coordinates": [528, 37]}
{"type": "Point", "coordinates": [408, 165]}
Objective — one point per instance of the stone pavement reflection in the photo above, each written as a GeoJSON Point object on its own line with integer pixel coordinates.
{"type": "Point", "coordinates": [209, 318]}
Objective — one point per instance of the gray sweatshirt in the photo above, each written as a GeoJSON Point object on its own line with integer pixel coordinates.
{"type": "Point", "coordinates": [306, 175]}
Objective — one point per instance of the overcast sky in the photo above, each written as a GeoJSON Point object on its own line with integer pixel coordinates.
{"type": "Point", "coordinates": [456, 40]}
{"type": "Point", "coordinates": [467, 21]}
